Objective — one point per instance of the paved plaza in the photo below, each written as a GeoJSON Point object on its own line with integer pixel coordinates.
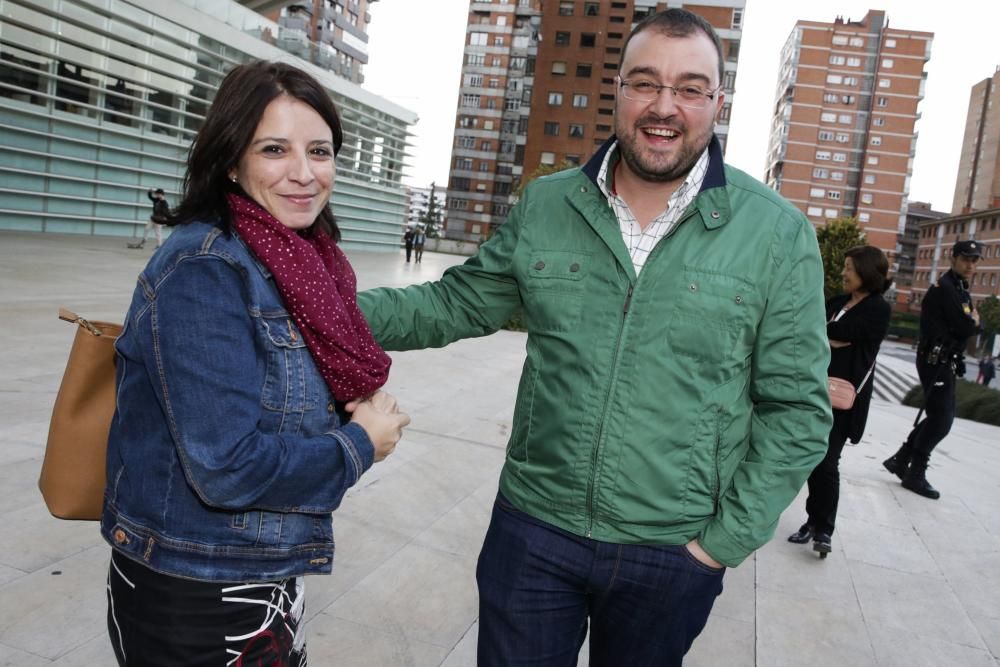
{"type": "Point", "coordinates": [910, 581]}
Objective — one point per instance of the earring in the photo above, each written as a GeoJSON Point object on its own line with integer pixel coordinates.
{"type": "Point", "coordinates": [232, 178]}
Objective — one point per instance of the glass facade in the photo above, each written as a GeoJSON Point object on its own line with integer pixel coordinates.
{"type": "Point", "coordinates": [100, 99]}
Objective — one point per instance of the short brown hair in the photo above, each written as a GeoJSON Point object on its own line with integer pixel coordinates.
{"type": "Point", "coordinates": [872, 266]}
{"type": "Point", "coordinates": [679, 23]}
{"type": "Point", "coordinates": [229, 126]}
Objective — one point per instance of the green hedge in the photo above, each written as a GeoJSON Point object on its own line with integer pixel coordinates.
{"type": "Point", "coordinates": [973, 401]}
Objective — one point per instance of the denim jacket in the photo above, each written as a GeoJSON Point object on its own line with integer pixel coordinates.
{"type": "Point", "coordinates": [226, 454]}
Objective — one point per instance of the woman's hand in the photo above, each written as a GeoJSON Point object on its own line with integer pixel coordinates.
{"type": "Point", "coordinates": [839, 343]}
{"type": "Point", "coordinates": [381, 419]}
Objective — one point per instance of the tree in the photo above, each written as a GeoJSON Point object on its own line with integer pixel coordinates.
{"type": "Point", "coordinates": [431, 219]}
{"type": "Point", "coordinates": [541, 170]}
{"type": "Point", "coordinates": [989, 318]}
{"type": "Point", "coordinates": [835, 239]}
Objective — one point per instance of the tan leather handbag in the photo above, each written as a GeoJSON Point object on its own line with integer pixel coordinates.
{"type": "Point", "coordinates": [73, 472]}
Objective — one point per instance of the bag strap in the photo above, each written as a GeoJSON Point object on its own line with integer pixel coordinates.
{"type": "Point", "coordinates": [68, 315]}
{"type": "Point", "coordinates": [867, 375]}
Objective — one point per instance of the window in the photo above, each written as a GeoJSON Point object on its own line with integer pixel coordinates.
{"type": "Point", "coordinates": [474, 80]}
{"type": "Point", "coordinates": [822, 155]}
{"type": "Point", "coordinates": [884, 83]}
{"type": "Point", "coordinates": [864, 217]}
{"type": "Point", "coordinates": [565, 9]}
{"type": "Point", "coordinates": [551, 129]}
{"type": "Point", "coordinates": [575, 130]}
{"type": "Point", "coordinates": [547, 158]}
{"type": "Point", "coordinates": [840, 157]}
{"type": "Point", "coordinates": [588, 39]}
{"type": "Point", "coordinates": [485, 146]}
{"type": "Point", "coordinates": [843, 137]}
{"type": "Point", "coordinates": [591, 8]}
{"type": "Point", "coordinates": [828, 117]}
{"type": "Point", "coordinates": [475, 59]}
{"type": "Point", "coordinates": [847, 99]}
{"type": "Point", "coordinates": [825, 135]}
{"type": "Point", "coordinates": [817, 192]}
{"type": "Point", "coordinates": [512, 104]}
{"type": "Point", "coordinates": [837, 175]}
{"type": "Point", "coordinates": [562, 38]}
{"type": "Point", "coordinates": [833, 194]}
{"type": "Point", "coordinates": [498, 40]}
{"type": "Point", "coordinates": [850, 80]}
{"type": "Point", "coordinates": [478, 39]}
{"type": "Point", "coordinates": [468, 121]}
{"type": "Point", "coordinates": [501, 20]}
{"type": "Point", "coordinates": [484, 166]}
{"type": "Point", "coordinates": [830, 213]}
{"type": "Point", "coordinates": [882, 102]}
{"type": "Point", "coordinates": [890, 43]}
{"type": "Point", "coordinates": [835, 79]}
{"type": "Point", "coordinates": [470, 101]}
{"type": "Point", "coordinates": [737, 18]}
{"type": "Point", "coordinates": [725, 112]}
{"type": "Point", "coordinates": [878, 121]}
{"type": "Point", "coordinates": [876, 141]}
{"type": "Point", "coordinates": [463, 141]}
{"type": "Point", "coordinates": [555, 99]}
{"type": "Point", "coordinates": [580, 101]}
{"type": "Point", "coordinates": [458, 204]}
{"type": "Point", "coordinates": [837, 60]}
{"type": "Point", "coordinates": [814, 211]}
{"type": "Point", "coordinates": [820, 173]}
{"type": "Point", "coordinates": [857, 41]}
{"type": "Point", "coordinates": [854, 61]}
{"type": "Point", "coordinates": [583, 70]}
{"type": "Point", "coordinates": [870, 179]}
{"type": "Point", "coordinates": [831, 97]}
{"type": "Point", "coordinates": [728, 81]}
{"type": "Point", "coordinates": [559, 67]}
{"type": "Point", "coordinates": [866, 198]}
{"type": "Point", "coordinates": [517, 62]}
{"type": "Point", "coordinates": [840, 40]}
{"type": "Point", "coordinates": [873, 159]}
{"type": "Point", "coordinates": [887, 63]}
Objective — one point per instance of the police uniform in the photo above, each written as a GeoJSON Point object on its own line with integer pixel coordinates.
{"type": "Point", "coordinates": [946, 324]}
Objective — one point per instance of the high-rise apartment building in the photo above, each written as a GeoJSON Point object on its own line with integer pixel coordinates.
{"type": "Point", "coordinates": [842, 135]}
{"type": "Point", "coordinates": [330, 33]}
{"type": "Point", "coordinates": [908, 250]}
{"type": "Point", "coordinates": [978, 184]}
{"type": "Point", "coordinates": [538, 89]}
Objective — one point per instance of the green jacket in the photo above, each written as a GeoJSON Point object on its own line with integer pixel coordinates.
{"type": "Point", "coordinates": [689, 401]}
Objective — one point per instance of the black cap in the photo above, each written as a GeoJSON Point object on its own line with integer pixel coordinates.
{"type": "Point", "coordinates": [966, 249]}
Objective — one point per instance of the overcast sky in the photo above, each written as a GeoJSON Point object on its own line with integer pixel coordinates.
{"type": "Point", "coordinates": [415, 53]}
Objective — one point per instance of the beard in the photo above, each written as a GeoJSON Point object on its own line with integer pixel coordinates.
{"type": "Point", "coordinates": [653, 168]}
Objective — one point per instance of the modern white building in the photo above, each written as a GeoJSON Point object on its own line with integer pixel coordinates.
{"type": "Point", "coordinates": [100, 100]}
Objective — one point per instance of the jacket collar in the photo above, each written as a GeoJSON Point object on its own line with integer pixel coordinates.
{"type": "Point", "coordinates": [712, 200]}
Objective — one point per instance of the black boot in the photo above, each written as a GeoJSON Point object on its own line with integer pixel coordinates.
{"type": "Point", "coordinates": [916, 478]}
{"type": "Point", "coordinates": [900, 461]}
{"type": "Point", "coordinates": [804, 535]}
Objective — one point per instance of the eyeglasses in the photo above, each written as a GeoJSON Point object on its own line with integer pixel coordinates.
{"type": "Point", "coordinates": [689, 96]}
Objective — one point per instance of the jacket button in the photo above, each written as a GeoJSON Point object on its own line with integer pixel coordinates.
{"type": "Point", "coordinates": [330, 407]}
{"type": "Point", "coordinates": [539, 265]}
{"type": "Point", "coordinates": [583, 188]}
{"type": "Point", "coordinates": [574, 267]}
{"type": "Point", "coordinates": [715, 214]}
{"type": "Point", "coordinates": [693, 287]}
{"type": "Point", "coordinates": [739, 299]}
{"type": "Point", "coordinates": [120, 537]}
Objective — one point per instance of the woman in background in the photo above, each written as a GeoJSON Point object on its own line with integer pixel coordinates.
{"type": "Point", "coordinates": [857, 322]}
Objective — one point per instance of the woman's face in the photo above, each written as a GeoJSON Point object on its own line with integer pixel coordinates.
{"type": "Point", "coordinates": [288, 168]}
{"type": "Point", "coordinates": [852, 281]}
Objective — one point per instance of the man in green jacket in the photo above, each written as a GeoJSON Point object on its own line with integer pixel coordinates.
{"type": "Point", "coordinates": [673, 399]}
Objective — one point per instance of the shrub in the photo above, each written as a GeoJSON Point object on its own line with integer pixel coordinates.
{"type": "Point", "coordinates": [973, 401]}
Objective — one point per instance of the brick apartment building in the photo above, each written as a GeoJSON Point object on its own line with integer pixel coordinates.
{"type": "Point", "coordinates": [538, 89]}
{"type": "Point", "coordinates": [842, 135]}
{"type": "Point", "coordinates": [977, 186]}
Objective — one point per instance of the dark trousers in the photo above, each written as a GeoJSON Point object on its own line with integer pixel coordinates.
{"type": "Point", "coordinates": [538, 585]}
{"type": "Point", "coordinates": [939, 407]}
{"type": "Point", "coordinates": [824, 482]}
{"type": "Point", "coordinates": [409, 250]}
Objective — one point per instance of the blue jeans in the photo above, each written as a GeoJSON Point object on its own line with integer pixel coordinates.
{"type": "Point", "coordinates": [538, 585]}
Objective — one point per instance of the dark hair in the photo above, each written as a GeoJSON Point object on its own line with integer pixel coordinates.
{"type": "Point", "coordinates": [677, 23]}
{"type": "Point", "coordinates": [228, 130]}
{"type": "Point", "coordinates": [872, 266]}
{"type": "Point", "coordinates": [158, 191]}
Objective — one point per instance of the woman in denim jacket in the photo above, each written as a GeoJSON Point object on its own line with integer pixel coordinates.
{"type": "Point", "coordinates": [242, 359]}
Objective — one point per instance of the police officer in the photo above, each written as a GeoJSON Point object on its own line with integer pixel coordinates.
{"type": "Point", "coordinates": [947, 319]}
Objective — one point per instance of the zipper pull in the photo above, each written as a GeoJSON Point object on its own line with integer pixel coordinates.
{"type": "Point", "coordinates": [628, 300]}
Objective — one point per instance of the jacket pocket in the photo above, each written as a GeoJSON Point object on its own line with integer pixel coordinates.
{"type": "Point", "coordinates": [290, 383]}
{"type": "Point", "coordinates": [553, 289]}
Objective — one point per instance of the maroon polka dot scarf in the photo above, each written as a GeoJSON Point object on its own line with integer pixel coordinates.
{"type": "Point", "coordinates": [319, 289]}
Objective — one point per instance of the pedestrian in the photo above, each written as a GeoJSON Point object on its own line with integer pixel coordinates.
{"type": "Point", "coordinates": [857, 322]}
{"type": "Point", "coordinates": [947, 320]}
{"type": "Point", "coordinates": [408, 236]}
{"type": "Point", "coordinates": [158, 217]}
{"type": "Point", "coordinates": [419, 237]}
{"type": "Point", "coordinates": [248, 391]}
{"type": "Point", "coordinates": [673, 400]}
{"type": "Point", "coordinates": [987, 371]}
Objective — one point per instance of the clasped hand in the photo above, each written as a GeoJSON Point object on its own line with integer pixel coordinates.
{"type": "Point", "coordinates": [381, 419]}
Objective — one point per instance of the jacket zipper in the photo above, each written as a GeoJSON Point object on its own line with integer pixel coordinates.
{"type": "Point", "coordinates": [592, 483]}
